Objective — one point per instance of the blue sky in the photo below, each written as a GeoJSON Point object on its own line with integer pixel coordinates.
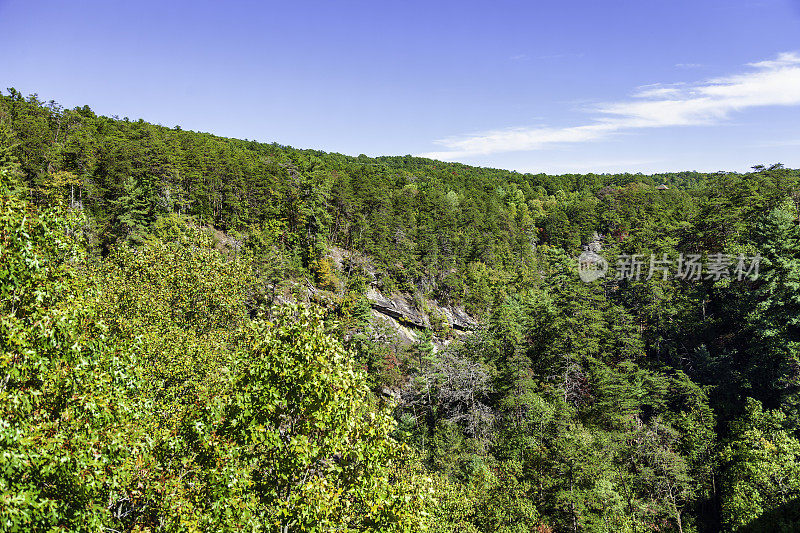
{"type": "Point", "coordinates": [550, 86]}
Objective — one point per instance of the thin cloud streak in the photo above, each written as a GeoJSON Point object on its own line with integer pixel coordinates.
{"type": "Point", "coordinates": [778, 143]}
{"type": "Point", "coordinates": [774, 82]}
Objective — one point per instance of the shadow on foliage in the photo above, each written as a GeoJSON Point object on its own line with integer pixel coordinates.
{"type": "Point", "coordinates": [782, 519]}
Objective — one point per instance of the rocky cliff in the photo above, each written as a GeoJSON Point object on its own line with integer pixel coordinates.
{"type": "Point", "coordinates": [404, 312]}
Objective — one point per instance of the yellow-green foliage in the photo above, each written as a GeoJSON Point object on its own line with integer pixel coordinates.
{"type": "Point", "coordinates": [314, 447]}
{"type": "Point", "coordinates": [324, 275]}
{"type": "Point", "coordinates": [67, 418]}
{"type": "Point", "coordinates": [439, 322]}
{"type": "Point", "coordinates": [60, 187]}
{"type": "Point", "coordinates": [137, 395]}
{"type": "Point", "coordinates": [489, 501]}
{"type": "Point", "coordinates": [763, 474]}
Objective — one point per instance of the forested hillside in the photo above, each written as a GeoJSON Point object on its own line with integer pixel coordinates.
{"type": "Point", "coordinates": [154, 376]}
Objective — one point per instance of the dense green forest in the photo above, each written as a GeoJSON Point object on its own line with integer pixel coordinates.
{"type": "Point", "coordinates": [162, 370]}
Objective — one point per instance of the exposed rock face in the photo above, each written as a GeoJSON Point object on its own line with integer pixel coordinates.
{"type": "Point", "coordinates": [458, 318]}
{"type": "Point", "coordinates": [400, 312]}
{"type": "Point", "coordinates": [596, 244]}
{"type": "Point", "coordinates": [402, 308]}
{"type": "Point", "coordinates": [405, 334]}
{"type": "Point", "coordinates": [398, 307]}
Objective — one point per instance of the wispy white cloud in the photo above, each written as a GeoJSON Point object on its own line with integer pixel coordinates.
{"type": "Point", "coordinates": [658, 90]}
{"type": "Point", "coordinates": [688, 65]}
{"type": "Point", "coordinates": [785, 59]}
{"type": "Point", "coordinates": [774, 82]}
{"type": "Point", "coordinates": [778, 143]}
